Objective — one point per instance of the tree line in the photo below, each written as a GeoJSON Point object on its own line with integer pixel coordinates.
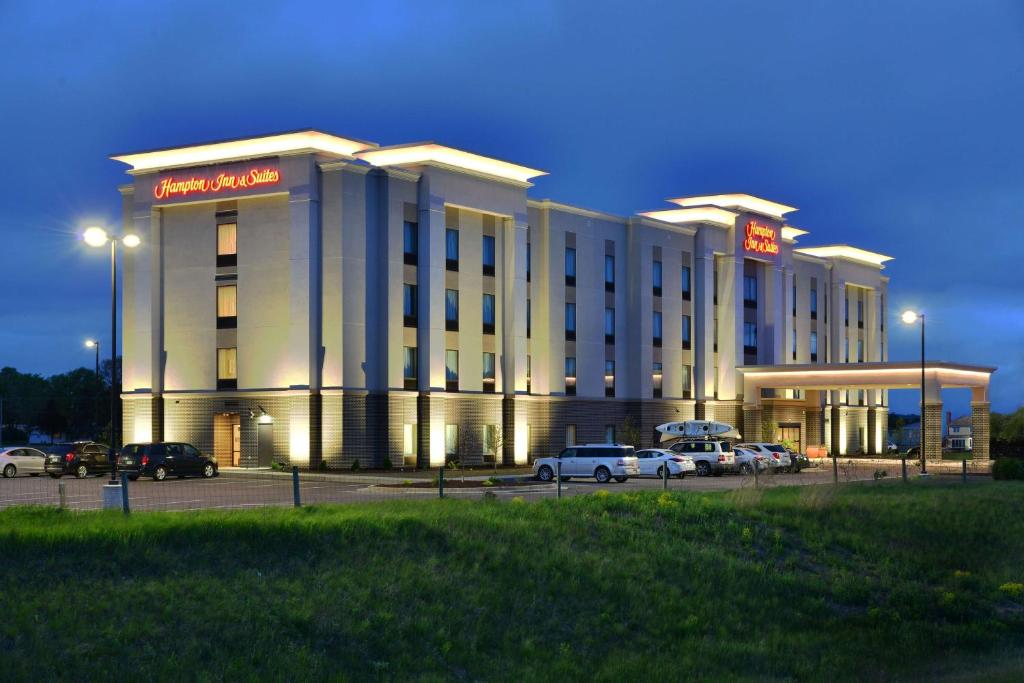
{"type": "Point", "coordinates": [68, 405]}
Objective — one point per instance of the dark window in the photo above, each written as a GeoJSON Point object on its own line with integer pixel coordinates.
{"type": "Point", "coordinates": [409, 305]}
{"type": "Point", "coordinates": [656, 277]}
{"type": "Point", "coordinates": [570, 267]}
{"type": "Point", "coordinates": [529, 318]}
{"type": "Point", "coordinates": [410, 243]}
{"type": "Point", "coordinates": [846, 314]}
{"type": "Point", "coordinates": [409, 371]}
{"type": "Point", "coordinates": [749, 291]}
{"type": "Point", "coordinates": [749, 338]}
{"type": "Point", "coordinates": [814, 346]}
{"type": "Point", "coordinates": [609, 273]}
{"type": "Point", "coordinates": [488, 314]}
{"type": "Point", "coordinates": [451, 310]}
{"type": "Point", "coordinates": [686, 283]}
{"type": "Point", "coordinates": [656, 328]}
{"type": "Point", "coordinates": [686, 332]}
{"type": "Point", "coordinates": [529, 261]}
{"type": "Point", "coordinates": [451, 249]}
{"type": "Point", "coordinates": [860, 314]}
{"type": "Point", "coordinates": [570, 322]}
{"type": "Point", "coordinates": [814, 304]}
{"type": "Point", "coordinates": [488, 255]}
{"type": "Point", "coordinates": [609, 326]}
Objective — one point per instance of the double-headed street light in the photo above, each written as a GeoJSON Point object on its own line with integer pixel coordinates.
{"type": "Point", "coordinates": [911, 317]}
{"type": "Point", "coordinates": [96, 236]}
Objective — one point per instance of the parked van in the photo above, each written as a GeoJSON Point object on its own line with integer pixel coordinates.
{"type": "Point", "coordinates": [602, 461]}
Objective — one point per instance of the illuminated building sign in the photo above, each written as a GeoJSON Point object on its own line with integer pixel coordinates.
{"type": "Point", "coordinates": [171, 187]}
{"type": "Point", "coordinates": [761, 239]}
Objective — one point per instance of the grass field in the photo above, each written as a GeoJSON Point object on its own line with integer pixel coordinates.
{"type": "Point", "coordinates": [867, 582]}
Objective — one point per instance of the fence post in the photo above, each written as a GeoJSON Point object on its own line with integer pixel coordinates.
{"type": "Point", "coordinates": [124, 493]}
{"type": "Point", "coordinates": [295, 486]}
{"type": "Point", "coordinates": [440, 482]}
{"type": "Point", "coordinates": [835, 469]}
{"type": "Point", "coordinates": [62, 494]}
{"type": "Point", "coordinates": [558, 479]}
{"type": "Point", "coordinates": [903, 464]}
{"type": "Point", "coordinates": [664, 476]}
{"type": "Point", "coordinates": [757, 481]}
{"type": "Point", "coordinates": [963, 470]}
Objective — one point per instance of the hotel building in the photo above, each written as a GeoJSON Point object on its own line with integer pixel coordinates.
{"type": "Point", "coordinates": [309, 298]}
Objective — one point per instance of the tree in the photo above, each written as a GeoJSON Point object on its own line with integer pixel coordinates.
{"type": "Point", "coordinates": [630, 433]}
{"type": "Point", "coordinates": [51, 420]}
{"type": "Point", "coordinates": [769, 429]}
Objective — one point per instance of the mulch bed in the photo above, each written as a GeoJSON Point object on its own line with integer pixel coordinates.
{"type": "Point", "coordinates": [459, 484]}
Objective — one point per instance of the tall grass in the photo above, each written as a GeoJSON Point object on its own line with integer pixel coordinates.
{"type": "Point", "coordinates": [855, 582]}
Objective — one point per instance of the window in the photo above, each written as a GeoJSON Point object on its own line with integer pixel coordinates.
{"type": "Point", "coordinates": [846, 349]}
{"type": "Point", "coordinates": [490, 438]}
{"type": "Point", "coordinates": [408, 440]}
{"type": "Point", "coordinates": [656, 380]}
{"type": "Point", "coordinates": [794, 296]}
{"type": "Point", "coordinates": [488, 314]}
{"type": "Point", "coordinates": [794, 343]}
{"type": "Point", "coordinates": [409, 367]}
{"type": "Point", "coordinates": [686, 283]}
{"type": "Point", "coordinates": [570, 322]}
{"type": "Point", "coordinates": [570, 375]}
{"type": "Point", "coordinates": [687, 342]}
{"type": "Point", "coordinates": [814, 346]}
{"type": "Point", "coordinates": [814, 303]}
{"type": "Point", "coordinates": [609, 273]}
{"type": "Point", "coordinates": [860, 350]}
{"type": "Point", "coordinates": [609, 326]}
{"type": "Point", "coordinates": [860, 313]}
{"type": "Point", "coordinates": [451, 249]}
{"type": "Point", "coordinates": [410, 243]}
{"type": "Point", "coordinates": [687, 381]}
{"type": "Point", "coordinates": [488, 255]}
{"type": "Point", "coordinates": [714, 379]}
{"type": "Point", "coordinates": [227, 368]}
{"type": "Point", "coordinates": [570, 267]}
{"type": "Point", "coordinates": [227, 307]}
{"type": "Point", "coordinates": [656, 329]}
{"type": "Point", "coordinates": [529, 318]}
{"type": "Point", "coordinates": [715, 340]}
{"type": "Point", "coordinates": [656, 277]}
{"type": "Point", "coordinates": [451, 439]}
{"type": "Point", "coordinates": [749, 291]}
{"type": "Point", "coordinates": [609, 433]}
{"type": "Point", "coordinates": [451, 370]}
{"type": "Point", "coordinates": [570, 435]}
{"type": "Point", "coordinates": [529, 260]}
{"type": "Point", "coordinates": [488, 372]}
{"type": "Point", "coordinates": [749, 337]}
{"type": "Point", "coordinates": [409, 305]}
{"type": "Point", "coordinates": [451, 310]}
{"type": "Point", "coordinates": [529, 369]}
{"type": "Point", "coordinates": [826, 306]}
{"type": "Point", "coordinates": [846, 304]}
{"type": "Point", "coordinates": [227, 244]}
{"type": "Point", "coordinates": [609, 378]}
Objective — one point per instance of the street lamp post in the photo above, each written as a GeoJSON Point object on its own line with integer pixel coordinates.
{"type": "Point", "coordinates": [95, 344]}
{"type": "Point", "coordinates": [911, 317]}
{"type": "Point", "coordinates": [97, 237]}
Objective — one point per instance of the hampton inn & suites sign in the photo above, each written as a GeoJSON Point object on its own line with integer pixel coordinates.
{"type": "Point", "coordinates": [761, 239]}
{"type": "Point", "coordinates": [174, 187]}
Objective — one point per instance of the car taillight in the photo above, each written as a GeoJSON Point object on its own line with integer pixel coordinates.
{"type": "Point", "coordinates": [621, 462]}
{"type": "Point", "coordinates": [145, 460]}
{"type": "Point", "coordinates": [721, 457]}
{"type": "Point", "coordinates": [775, 455]}
{"type": "Point", "coordinates": [69, 457]}
{"type": "Point", "coordinates": [677, 459]}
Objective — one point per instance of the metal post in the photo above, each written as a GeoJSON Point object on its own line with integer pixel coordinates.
{"type": "Point", "coordinates": [664, 476]}
{"type": "Point", "coordinates": [558, 479]}
{"type": "Point", "coordinates": [62, 494]}
{"type": "Point", "coordinates": [835, 468]}
{"type": "Point", "coordinates": [113, 360]}
{"type": "Point", "coordinates": [124, 493]}
{"type": "Point", "coordinates": [963, 470]}
{"type": "Point", "coordinates": [757, 481]}
{"type": "Point", "coordinates": [903, 466]}
{"type": "Point", "coordinates": [924, 467]}
{"type": "Point", "coordinates": [440, 482]}
{"type": "Point", "coordinates": [295, 486]}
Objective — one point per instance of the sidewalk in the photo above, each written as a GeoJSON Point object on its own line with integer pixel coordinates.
{"type": "Point", "coordinates": [913, 465]}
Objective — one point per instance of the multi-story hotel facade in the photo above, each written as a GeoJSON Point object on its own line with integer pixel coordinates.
{"type": "Point", "coordinates": [308, 298]}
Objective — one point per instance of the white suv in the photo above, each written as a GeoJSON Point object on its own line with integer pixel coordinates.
{"type": "Point", "coordinates": [711, 456]}
{"type": "Point", "coordinates": [777, 455]}
{"type": "Point", "coordinates": [602, 461]}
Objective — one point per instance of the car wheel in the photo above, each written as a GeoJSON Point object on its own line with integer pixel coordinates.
{"type": "Point", "coordinates": [81, 471]}
{"type": "Point", "coordinates": [622, 480]}
{"type": "Point", "coordinates": [682, 475]}
{"type": "Point", "coordinates": [745, 468]}
{"type": "Point", "coordinates": [703, 469]}
{"type": "Point", "coordinates": [10, 471]}
{"type": "Point", "coordinates": [208, 471]}
{"type": "Point", "coordinates": [55, 476]}
{"type": "Point", "coordinates": [133, 477]}
{"type": "Point", "coordinates": [602, 474]}
{"type": "Point", "coordinates": [160, 473]}
{"type": "Point", "coordinates": [545, 473]}
{"type": "Point", "coordinates": [661, 472]}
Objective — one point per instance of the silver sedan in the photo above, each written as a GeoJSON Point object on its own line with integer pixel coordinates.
{"type": "Point", "coordinates": [21, 460]}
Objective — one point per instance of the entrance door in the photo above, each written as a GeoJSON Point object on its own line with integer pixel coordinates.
{"type": "Point", "coordinates": [236, 443]}
{"type": "Point", "coordinates": [264, 444]}
{"type": "Point", "coordinates": [791, 433]}
{"type": "Point", "coordinates": [227, 441]}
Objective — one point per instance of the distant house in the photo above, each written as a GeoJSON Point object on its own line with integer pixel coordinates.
{"type": "Point", "coordinates": [958, 434]}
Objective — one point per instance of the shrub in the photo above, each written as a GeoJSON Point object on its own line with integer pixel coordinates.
{"type": "Point", "coordinates": [322, 466]}
{"type": "Point", "coordinates": [277, 466]}
{"type": "Point", "coordinates": [355, 466]}
{"type": "Point", "coordinates": [1008, 468]}
{"type": "Point", "coordinates": [1012, 589]}
{"type": "Point", "coordinates": [387, 463]}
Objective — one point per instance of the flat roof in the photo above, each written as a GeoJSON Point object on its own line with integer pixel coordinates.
{"type": "Point", "coordinates": [697, 214]}
{"type": "Point", "coordinates": [745, 202]}
{"type": "Point", "coordinates": [416, 153]}
{"type": "Point", "coordinates": [847, 252]}
{"type": "Point", "coordinates": [307, 140]}
{"type": "Point", "coordinates": [791, 233]}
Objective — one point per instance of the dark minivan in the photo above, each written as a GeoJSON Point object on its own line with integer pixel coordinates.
{"type": "Point", "coordinates": [80, 458]}
{"type": "Point", "coordinates": [160, 460]}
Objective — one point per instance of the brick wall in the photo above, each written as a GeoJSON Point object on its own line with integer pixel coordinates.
{"type": "Point", "coordinates": [933, 430]}
{"type": "Point", "coordinates": [980, 429]}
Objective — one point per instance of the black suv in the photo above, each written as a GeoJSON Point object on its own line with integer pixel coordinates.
{"type": "Point", "coordinates": [159, 460]}
{"type": "Point", "coordinates": [80, 458]}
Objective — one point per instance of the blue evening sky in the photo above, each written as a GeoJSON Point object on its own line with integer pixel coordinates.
{"type": "Point", "coordinates": [894, 125]}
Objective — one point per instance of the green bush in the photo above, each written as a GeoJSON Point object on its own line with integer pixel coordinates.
{"type": "Point", "coordinates": [1008, 468]}
{"type": "Point", "coordinates": [355, 466]}
{"type": "Point", "coordinates": [386, 464]}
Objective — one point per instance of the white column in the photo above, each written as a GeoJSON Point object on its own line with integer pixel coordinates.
{"type": "Point", "coordinates": [513, 318]}
{"type": "Point", "coordinates": [787, 309]}
{"type": "Point", "coordinates": [703, 321]}
{"type": "Point", "coordinates": [304, 305]}
{"type": "Point", "coordinates": [730, 325]}
{"type": "Point", "coordinates": [430, 285]}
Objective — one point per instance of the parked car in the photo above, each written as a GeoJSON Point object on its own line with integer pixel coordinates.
{"type": "Point", "coordinates": [164, 459]}
{"type": "Point", "coordinates": [21, 460]}
{"type": "Point", "coordinates": [710, 456]}
{"type": "Point", "coordinates": [602, 461]}
{"type": "Point", "coordinates": [799, 460]}
{"type": "Point", "coordinates": [653, 461]}
{"type": "Point", "coordinates": [80, 458]}
{"type": "Point", "coordinates": [914, 452]}
{"type": "Point", "coordinates": [747, 460]}
{"type": "Point", "coordinates": [777, 455]}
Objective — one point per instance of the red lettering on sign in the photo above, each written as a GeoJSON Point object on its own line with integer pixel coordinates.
{"type": "Point", "coordinates": [170, 186]}
{"type": "Point", "coordinates": [761, 239]}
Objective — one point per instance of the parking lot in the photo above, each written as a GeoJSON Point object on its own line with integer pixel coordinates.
{"type": "Point", "coordinates": [239, 489]}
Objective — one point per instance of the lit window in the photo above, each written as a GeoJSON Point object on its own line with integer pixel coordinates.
{"type": "Point", "coordinates": [609, 378]}
{"type": "Point", "coordinates": [686, 332]}
{"type": "Point", "coordinates": [609, 273]}
{"type": "Point", "coordinates": [609, 326]}
{"type": "Point", "coordinates": [227, 368]}
{"type": "Point", "coordinates": [408, 440]}
{"type": "Point", "coordinates": [750, 291]}
{"type": "Point", "coordinates": [451, 370]}
{"type": "Point", "coordinates": [656, 326]}
{"type": "Point", "coordinates": [814, 346]}
{"type": "Point", "coordinates": [570, 375]}
{"type": "Point", "coordinates": [451, 439]}
{"type": "Point", "coordinates": [686, 283]}
{"type": "Point", "coordinates": [570, 322]}
{"type": "Point", "coordinates": [227, 245]}
{"type": "Point", "coordinates": [656, 277]}
{"type": "Point", "coordinates": [488, 314]}
{"type": "Point", "coordinates": [451, 310]}
{"type": "Point", "coordinates": [750, 337]}
{"type": "Point", "coordinates": [488, 362]}
{"type": "Point", "coordinates": [227, 306]}
{"type": "Point", "coordinates": [656, 380]}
